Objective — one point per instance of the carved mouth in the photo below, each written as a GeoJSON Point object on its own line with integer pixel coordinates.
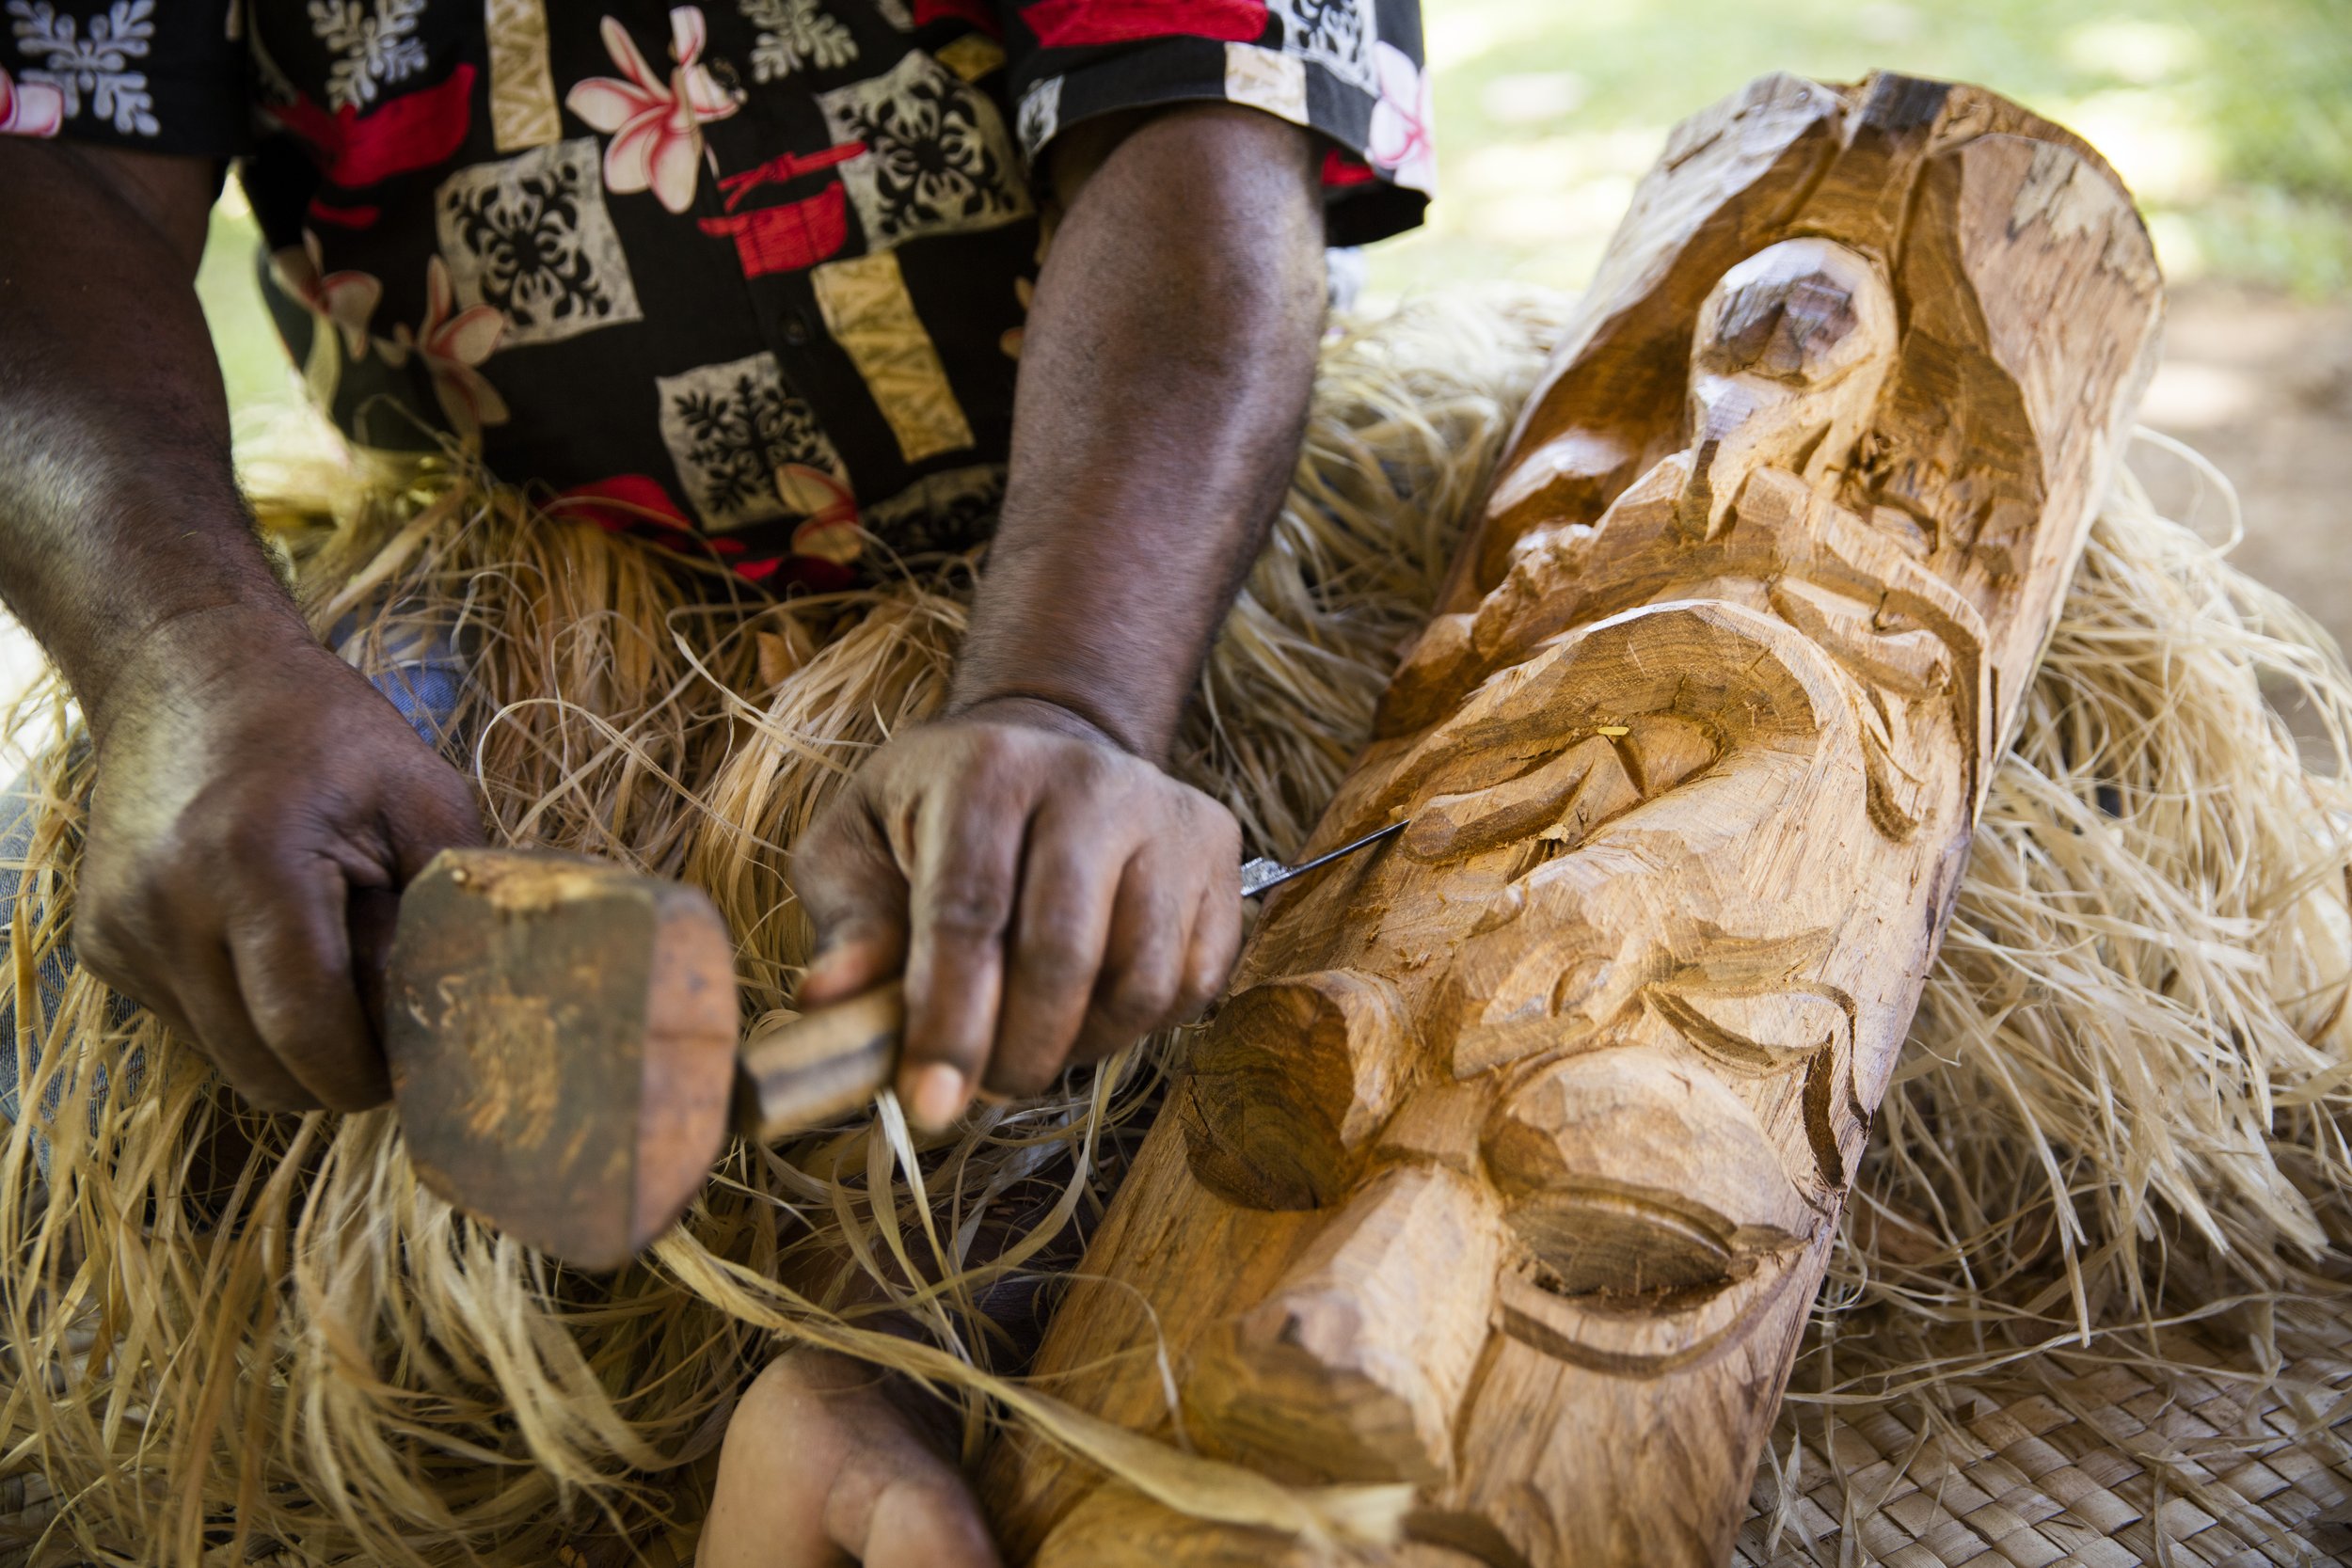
{"type": "Point", "coordinates": [1644, 1335]}
{"type": "Point", "coordinates": [1614, 1241]}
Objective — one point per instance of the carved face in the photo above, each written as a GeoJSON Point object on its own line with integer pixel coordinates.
{"type": "Point", "coordinates": [1590, 1027]}
{"type": "Point", "coordinates": [1509, 1170]}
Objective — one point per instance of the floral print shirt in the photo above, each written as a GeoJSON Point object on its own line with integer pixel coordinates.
{"type": "Point", "coordinates": [748, 275]}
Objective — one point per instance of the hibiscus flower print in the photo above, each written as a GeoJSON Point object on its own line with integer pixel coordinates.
{"type": "Point", "coordinates": [655, 123]}
{"type": "Point", "coordinates": [348, 299]}
{"type": "Point", "coordinates": [1400, 140]}
{"type": "Point", "coordinates": [452, 342]}
{"type": "Point", "coordinates": [30, 108]}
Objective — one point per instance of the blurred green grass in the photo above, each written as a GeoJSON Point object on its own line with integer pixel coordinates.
{"type": "Point", "coordinates": [254, 363]}
{"type": "Point", "coordinates": [2231, 119]}
{"type": "Point", "coordinates": [2232, 122]}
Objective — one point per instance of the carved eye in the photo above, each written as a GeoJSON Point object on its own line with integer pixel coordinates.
{"type": "Point", "coordinates": [1913, 663]}
{"type": "Point", "coordinates": [1290, 1083]}
{"type": "Point", "coordinates": [1560, 801]}
{"type": "Point", "coordinates": [1804, 310]}
{"type": "Point", "coordinates": [1765, 1032]}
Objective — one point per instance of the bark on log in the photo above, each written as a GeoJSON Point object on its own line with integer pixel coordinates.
{"type": "Point", "coordinates": [1510, 1169]}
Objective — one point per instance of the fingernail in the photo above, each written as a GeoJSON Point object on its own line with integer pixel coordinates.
{"type": "Point", "coordinates": [939, 1096]}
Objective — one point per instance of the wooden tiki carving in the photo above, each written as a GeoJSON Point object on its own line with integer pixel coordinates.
{"type": "Point", "coordinates": [1510, 1168]}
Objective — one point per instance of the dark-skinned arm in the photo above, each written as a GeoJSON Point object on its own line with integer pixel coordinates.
{"type": "Point", "coordinates": [1051, 892]}
{"type": "Point", "coordinates": [249, 781]}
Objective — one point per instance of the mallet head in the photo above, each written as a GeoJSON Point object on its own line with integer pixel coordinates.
{"type": "Point", "coordinates": [561, 1037]}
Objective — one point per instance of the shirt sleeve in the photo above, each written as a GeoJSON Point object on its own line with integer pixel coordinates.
{"type": "Point", "coordinates": [158, 75]}
{"type": "Point", "coordinates": [1349, 69]}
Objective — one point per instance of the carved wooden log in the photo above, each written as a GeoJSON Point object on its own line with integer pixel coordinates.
{"type": "Point", "coordinates": [1511, 1166]}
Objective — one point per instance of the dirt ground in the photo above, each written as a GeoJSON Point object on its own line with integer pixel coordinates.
{"type": "Point", "coordinates": [2262, 386]}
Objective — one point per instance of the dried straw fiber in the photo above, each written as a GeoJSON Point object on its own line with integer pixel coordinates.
{"type": "Point", "coordinates": [2123, 1115]}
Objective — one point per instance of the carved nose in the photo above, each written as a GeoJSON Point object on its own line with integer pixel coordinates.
{"type": "Point", "coordinates": [1355, 1365]}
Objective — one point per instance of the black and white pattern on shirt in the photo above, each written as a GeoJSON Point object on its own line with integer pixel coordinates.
{"type": "Point", "coordinates": [937, 159]}
{"type": "Point", "coordinates": [530, 236]}
{"type": "Point", "coordinates": [796, 34]}
{"type": "Point", "coordinates": [729, 427]}
{"type": "Point", "coordinates": [1336, 34]}
{"type": "Point", "coordinates": [372, 47]}
{"type": "Point", "coordinates": [93, 59]}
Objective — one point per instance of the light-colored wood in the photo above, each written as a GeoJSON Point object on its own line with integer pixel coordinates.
{"type": "Point", "coordinates": [803, 1072]}
{"type": "Point", "coordinates": [1511, 1167]}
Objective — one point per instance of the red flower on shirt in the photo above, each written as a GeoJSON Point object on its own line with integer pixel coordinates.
{"type": "Point", "coordinates": [655, 124]}
{"type": "Point", "coordinates": [978, 12]}
{"type": "Point", "coordinates": [622, 502]}
{"type": "Point", "coordinates": [830, 530]}
{"type": "Point", "coordinates": [412, 132]}
{"type": "Point", "coordinates": [1074, 23]}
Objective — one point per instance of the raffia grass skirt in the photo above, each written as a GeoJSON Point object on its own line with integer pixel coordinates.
{"type": "Point", "coordinates": [230, 1337]}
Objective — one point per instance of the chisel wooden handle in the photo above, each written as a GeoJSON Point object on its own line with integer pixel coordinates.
{"type": "Point", "coordinates": [823, 1065]}
{"type": "Point", "coordinates": [820, 1067]}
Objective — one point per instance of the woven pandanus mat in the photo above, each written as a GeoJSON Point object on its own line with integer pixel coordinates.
{"type": "Point", "coordinates": [2101, 1470]}
{"type": "Point", "coordinates": [2105, 1470]}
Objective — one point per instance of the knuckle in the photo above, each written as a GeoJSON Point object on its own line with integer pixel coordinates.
{"type": "Point", "coordinates": [1054, 951]}
{"type": "Point", "coordinates": [97, 920]}
{"type": "Point", "coordinates": [1090, 770]}
{"type": "Point", "coordinates": [106, 933]}
{"type": "Point", "coordinates": [454, 801]}
{"type": "Point", "coordinates": [969, 908]}
{"type": "Point", "coordinates": [1055, 966]}
{"type": "Point", "coordinates": [1140, 999]}
{"type": "Point", "coordinates": [1197, 994]}
{"type": "Point", "coordinates": [992, 749]}
{"type": "Point", "coordinates": [97, 949]}
{"type": "Point", "coordinates": [248, 839]}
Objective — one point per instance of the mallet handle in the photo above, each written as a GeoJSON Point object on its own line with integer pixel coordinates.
{"type": "Point", "coordinates": [820, 1067]}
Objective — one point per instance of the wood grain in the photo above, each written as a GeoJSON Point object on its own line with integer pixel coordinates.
{"type": "Point", "coordinates": [804, 1071]}
{"type": "Point", "coordinates": [1511, 1167]}
{"type": "Point", "coordinates": [561, 1033]}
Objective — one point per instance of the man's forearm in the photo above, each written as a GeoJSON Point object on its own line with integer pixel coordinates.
{"type": "Point", "coordinates": [1164, 382]}
{"type": "Point", "coordinates": [120, 518]}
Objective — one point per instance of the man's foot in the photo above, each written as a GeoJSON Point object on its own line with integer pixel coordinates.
{"type": "Point", "coordinates": [823, 1466]}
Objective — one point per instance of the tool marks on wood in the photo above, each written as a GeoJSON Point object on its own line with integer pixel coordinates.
{"type": "Point", "coordinates": [561, 1033]}
{"type": "Point", "coordinates": [1529, 1138]}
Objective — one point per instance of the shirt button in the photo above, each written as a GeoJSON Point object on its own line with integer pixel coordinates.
{"type": "Point", "coordinates": [795, 328]}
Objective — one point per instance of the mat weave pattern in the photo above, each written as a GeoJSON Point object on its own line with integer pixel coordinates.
{"type": "Point", "coordinates": [2105, 1470]}
{"type": "Point", "coordinates": [2101, 1470]}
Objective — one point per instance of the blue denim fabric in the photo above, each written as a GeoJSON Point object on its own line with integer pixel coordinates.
{"type": "Point", "coordinates": [425, 686]}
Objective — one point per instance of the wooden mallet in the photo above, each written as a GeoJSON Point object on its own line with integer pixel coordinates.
{"type": "Point", "coordinates": [561, 1037]}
